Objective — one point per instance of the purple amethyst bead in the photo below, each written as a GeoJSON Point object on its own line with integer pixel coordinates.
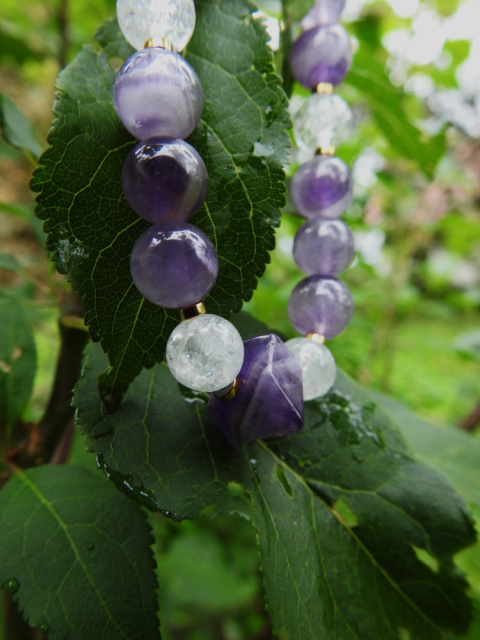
{"type": "Point", "coordinates": [158, 94]}
{"type": "Point", "coordinates": [320, 305]}
{"type": "Point", "coordinates": [323, 247]}
{"type": "Point", "coordinates": [322, 187]}
{"type": "Point", "coordinates": [269, 403]}
{"type": "Point", "coordinates": [165, 180]}
{"type": "Point", "coordinates": [323, 13]}
{"type": "Point", "coordinates": [321, 54]}
{"type": "Point", "coordinates": [174, 265]}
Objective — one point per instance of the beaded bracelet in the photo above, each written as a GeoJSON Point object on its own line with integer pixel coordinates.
{"type": "Point", "coordinates": [257, 385]}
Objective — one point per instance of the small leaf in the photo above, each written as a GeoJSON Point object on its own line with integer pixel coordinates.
{"type": "Point", "coordinates": [78, 554]}
{"type": "Point", "coordinates": [448, 449]}
{"type": "Point", "coordinates": [18, 359]}
{"type": "Point", "coordinates": [347, 573]}
{"type": "Point", "coordinates": [9, 262]}
{"type": "Point", "coordinates": [385, 102]}
{"type": "Point", "coordinates": [242, 138]}
{"type": "Point", "coordinates": [17, 129]}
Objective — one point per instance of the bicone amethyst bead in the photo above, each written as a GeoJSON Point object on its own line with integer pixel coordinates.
{"type": "Point", "coordinates": [320, 305]}
{"type": "Point", "coordinates": [158, 94]}
{"type": "Point", "coordinates": [269, 403]}
{"type": "Point", "coordinates": [174, 265]}
{"type": "Point", "coordinates": [323, 13]}
{"type": "Point", "coordinates": [322, 187]}
{"type": "Point", "coordinates": [323, 247]}
{"type": "Point", "coordinates": [321, 54]}
{"type": "Point", "coordinates": [165, 180]}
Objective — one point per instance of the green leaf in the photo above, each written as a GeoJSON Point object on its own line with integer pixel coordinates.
{"type": "Point", "coordinates": [384, 100]}
{"type": "Point", "coordinates": [448, 449]}
{"type": "Point", "coordinates": [327, 575]}
{"type": "Point", "coordinates": [242, 138]}
{"type": "Point", "coordinates": [17, 129]}
{"type": "Point", "coordinates": [9, 262]}
{"type": "Point", "coordinates": [18, 359]}
{"type": "Point", "coordinates": [76, 555]}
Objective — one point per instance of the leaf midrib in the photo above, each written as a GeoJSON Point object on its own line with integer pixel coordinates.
{"type": "Point", "coordinates": [43, 501]}
{"type": "Point", "coordinates": [385, 574]}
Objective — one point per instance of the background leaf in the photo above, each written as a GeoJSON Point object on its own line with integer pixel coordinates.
{"type": "Point", "coordinates": [76, 555]}
{"type": "Point", "coordinates": [385, 103]}
{"type": "Point", "coordinates": [17, 129]}
{"type": "Point", "coordinates": [341, 509]}
{"type": "Point", "coordinates": [18, 358]}
{"type": "Point", "coordinates": [92, 229]}
{"type": "Point", "coordinates": [450, 450]}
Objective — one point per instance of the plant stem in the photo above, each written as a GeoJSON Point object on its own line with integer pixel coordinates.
{"type": "Point", "coordinates": [471, 422]}
{"type": "Point", "coordinates": [47, 435]}
{"type": "Point", "coordinates": [15, 627]}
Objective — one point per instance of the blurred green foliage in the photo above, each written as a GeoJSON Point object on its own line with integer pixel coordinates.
{"type": "Point", "coordinates": [415, 280]}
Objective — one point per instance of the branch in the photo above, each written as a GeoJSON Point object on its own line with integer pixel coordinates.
{"type": "Point", "coordinates": [46, 437]}
{"type": "Point", "coordinates": [472, 421]}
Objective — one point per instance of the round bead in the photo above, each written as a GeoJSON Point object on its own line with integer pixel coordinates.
{"type": "Point", "coordinates": [323, 247]}
{"type": "Point", "coordinates": [321, 54]}
{"type": "Point", "coordinates": [140, 20]}
{"type": "Point", "coordinates": [324, 12]}
{"type": "Point", "coordinates": [174, 265]}
{"type": "Point", "coordinates": [158, 94]}
{"type": "Point", "coordinates": [323, 121]}
{"type": "Point", "coordinates": [205, 353]}
{"type": "Point", "coordinates": [165, 180]}
{"type": "Point", "coordinates": [320, 305]}
{"type": "Point", "coordinates": [317, 364]}
{"type": "Point", "coordinates": [322, 187]}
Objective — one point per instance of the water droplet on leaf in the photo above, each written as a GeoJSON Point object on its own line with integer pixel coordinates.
{"type": "Point", "coordinates": [12, 586]}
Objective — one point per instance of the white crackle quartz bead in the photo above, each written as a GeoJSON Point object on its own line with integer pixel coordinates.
{"type": "Point", "coordinates": [205, 353]}
{"type": "Point", "coordinates": [140, 20]}
{"type": "Point", "coordinates": [317, 365]}
{"type": "Point", "coordinates": [322, 121]}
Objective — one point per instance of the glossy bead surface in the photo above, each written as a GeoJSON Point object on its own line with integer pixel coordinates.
{"type": "Point", "coordinates": [322, 121]}
{"type": "Point", "coordinates": [321, 54]}
{"type": "Point", "coordinates": [205, 353]}
{"type": "Point", "coordinates": [317, 364]}
{"type": "Point", "coordinates": [323, 12]}
{"type": "Point", "coordinates": [158, 94]}
{"type": "Point", "coordinates": [269, 403]}
{"type": "Point", "coordinates": [323, 247]}
{"type": "Point", "coordinates": [322, 187]}
{"type": "Point", "coordinates": [320, 305]}
{"type": "Point", "coordinates": [174, 265]}
{"type": "Point", "coordinates": [140, 20]}
{"type": "Point", "coordinates": [165, 180]}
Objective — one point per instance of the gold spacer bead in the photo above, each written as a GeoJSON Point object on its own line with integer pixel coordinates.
{"type": "Point", "coordinates": [325, 87]}
{"type": "Point", "coordinates": [326, 151]}
{"type": "Point", "coordinates": [229, 393]}
{"type": "Point", "coordinates": [316, 337]}
{"type": "Point", "coordinates": [193, 312]}
{"type": "Point", "coordinates": [158, 41]}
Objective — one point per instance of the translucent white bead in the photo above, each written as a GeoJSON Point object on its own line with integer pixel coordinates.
{"type": "Point", "coordinates": [322, 121]}
{"type": "Point", "coordinates": [205, 353]}
{"type": "Point", "coordinates": [317, 364]}
{"type": "Point", "coordinates": [140, 20]}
